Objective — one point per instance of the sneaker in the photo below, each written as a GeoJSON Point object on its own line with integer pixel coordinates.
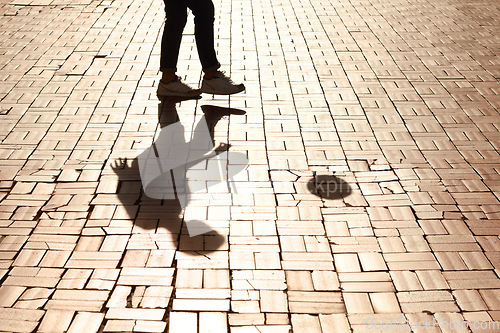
{"type": "Point", "coordinates": [220, 84]}
{"type": "Point", "coordinates": [176, 88]}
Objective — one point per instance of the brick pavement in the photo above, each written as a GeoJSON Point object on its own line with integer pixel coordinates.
{"type": "Point", "coordinates": [399, 100]}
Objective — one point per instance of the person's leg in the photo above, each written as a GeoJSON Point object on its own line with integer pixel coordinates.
{"type": "Point", "coordinates": [170, 84]}
{"type": "Point", "coordinates": [176, 18]}
{"type": "Point", "coordinates": [214, 81]}
{"type": "Point", "coordinates": [204, 17]}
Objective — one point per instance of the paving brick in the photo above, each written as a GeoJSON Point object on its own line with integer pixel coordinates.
{"type": "Point", "coordinates": [19, 325]}
{"type": "Point", "coordinates": [29, 258]}
{"type": "Point", "coordinates": [434, 301]}
{"type": "Point", "coordinates": [365, 282]}
{"type": "Point", "coordinates": [305, 323]}
{"type": "Point", "coordinates": [451, 261]}
{"type": "Point", "coordinates": [119, 297]}
{"type": "Point", "coordinates": [86, 321]}
{"type": "Point", "coordinates": [56, 321]}
{"type": "Point", "coordinates": [407, 261]}
{"type": "Point", "coordinates": [347, 262]}
{"type": "Point", "coordinates": [213, 322]}
{"type": "Point", "coordinates": [84, 295]}
{"type": "Point", "coordinates": [149, 326]}
{"type": "Point", "coordinates": [325, 281]}
{"type": "Point", "coordinates": [217, 305]}
{"type": "Point", "coordinates": [273, 301]}
{"type": "Point", "coordinates": [372, 261]}
{"type": "Point", "coordinates": [384, 303]}
{"type": "Point", "coordinates": [10, 294]}
{"type": "Point", "coordinates": [183, 321]}
{"type": "Point", "coordinates": [432, 280]}
{"type": "Point", "coordinates": [55, 259]}
{"type": "Point", "coordinates": [334, 322]}
{"type": "Point", "coordinates": [155, 297]}
{"type": "Point", "coordinates": [357, 303]}
{"type": "Point", "coordinates": [469, 300]}
{"type": "Point", "coordinates": [471, 279]}
{"type": "Point", "coordinates": [490, 297]}
{"type": "Point", "coordinates": [243, 319]}
{"type": "Point", "coordinates": [315, 302]}
{"type": "Point", "coordinates": [119, 325]}
{"type": "Point", "coordinates": [138, 314]}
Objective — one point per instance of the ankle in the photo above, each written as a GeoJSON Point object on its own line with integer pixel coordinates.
{"type": "Point", "coordinates": [168, 77]}
{"type": "Point", "coordinates": [210, 75]}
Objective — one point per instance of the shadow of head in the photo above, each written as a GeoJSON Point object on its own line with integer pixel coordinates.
{"type": "Point", "coordinates": [161, 217]}
{"type": "Point", "coordinates": [328, 187]}
{"type": "Point", "coordinates": [208, 240]}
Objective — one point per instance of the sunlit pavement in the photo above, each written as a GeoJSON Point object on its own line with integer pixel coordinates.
{"type": "Point", "coordinates": [370, 201]}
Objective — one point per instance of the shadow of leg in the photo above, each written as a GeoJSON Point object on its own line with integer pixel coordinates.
{"type": "Point", "coordinates": [167, 109]}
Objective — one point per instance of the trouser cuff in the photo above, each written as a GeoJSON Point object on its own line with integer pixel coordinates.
{"type": "Point", "coordinates": [211, 68]}
{"type": "Point", "coordinates": [168, 70]}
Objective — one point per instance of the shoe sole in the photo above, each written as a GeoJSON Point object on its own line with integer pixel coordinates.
{"type": "Point", "coordinates": [216, 92]}
{"type": "Point", "coordinates": [174, 94]}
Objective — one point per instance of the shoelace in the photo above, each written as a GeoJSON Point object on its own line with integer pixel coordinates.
{"type": "Point", "coordinates": [222, 75]}
{"type": "Point", "coordinates": [178, 79]}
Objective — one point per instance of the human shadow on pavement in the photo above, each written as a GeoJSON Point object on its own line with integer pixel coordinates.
{"type": "Point", "coordinates": [154, 210]}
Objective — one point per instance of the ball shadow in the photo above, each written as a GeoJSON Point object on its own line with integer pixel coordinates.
{"type": "Point", "coordinates": [329, 187]}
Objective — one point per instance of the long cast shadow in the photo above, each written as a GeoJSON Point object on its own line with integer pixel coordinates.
{"type": "Point", "coordinates": [166, 215]}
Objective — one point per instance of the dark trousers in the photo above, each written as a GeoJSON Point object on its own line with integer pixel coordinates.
{"type": "Point", "coordinates": [176, 11]}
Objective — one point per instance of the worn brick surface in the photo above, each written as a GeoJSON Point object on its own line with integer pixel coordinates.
{"type": "Point", "coordinates": [372, 191]}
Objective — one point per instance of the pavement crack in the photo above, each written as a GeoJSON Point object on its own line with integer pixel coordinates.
{"type": "Point", "coordinates": [130, 297]}
{"type": "Point", "coordinates": [203, 254]}
{"type": "Point", "coordinates": [251, 285]}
